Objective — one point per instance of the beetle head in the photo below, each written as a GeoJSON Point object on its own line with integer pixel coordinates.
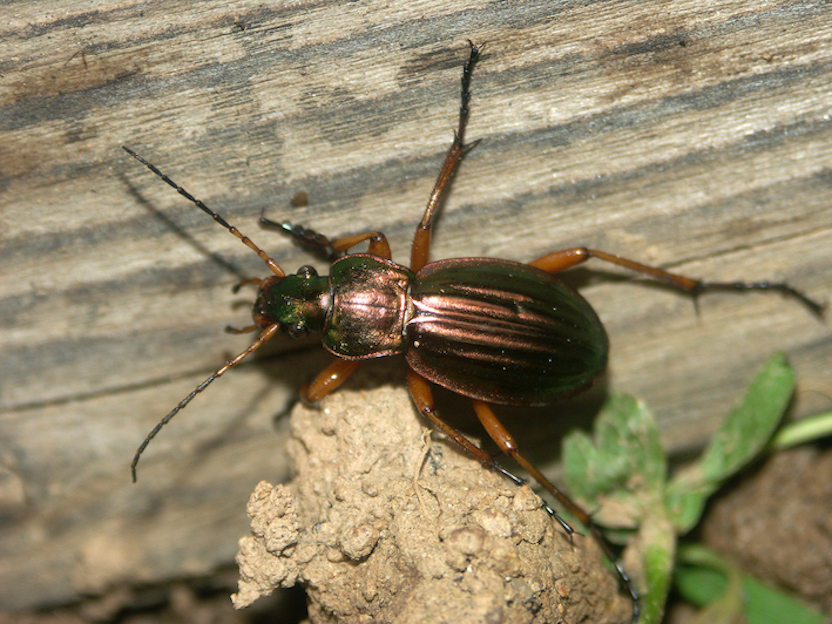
{"type": "Point", "coordinates": [298, 303]}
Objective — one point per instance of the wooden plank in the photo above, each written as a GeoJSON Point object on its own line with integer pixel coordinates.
{"type": "Point", "coordinates": [697, 137]}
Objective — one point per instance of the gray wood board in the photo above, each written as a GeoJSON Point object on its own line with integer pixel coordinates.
{"type": "Point", "coordinates": [693, 136]}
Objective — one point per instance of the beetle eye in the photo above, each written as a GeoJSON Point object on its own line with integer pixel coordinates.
{"type": "Point", "coordinates": [307, 271]}
{"type": "Point", "coordinates": [297, 331]}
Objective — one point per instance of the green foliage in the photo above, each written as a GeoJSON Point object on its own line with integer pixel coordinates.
{"type": "Point", "coordinates": [727, 595]}
{"type": "Point", "coordinates": [622, 471]}
{"type": "Point", "coordinates": [742, 436]}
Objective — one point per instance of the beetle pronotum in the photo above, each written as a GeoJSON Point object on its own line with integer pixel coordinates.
{"type": "Point", "coordinates": [495, 331]}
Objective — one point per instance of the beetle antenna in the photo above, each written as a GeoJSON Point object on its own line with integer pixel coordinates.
{"type": "Point", "coordinates": [275, 268]}
{"type": "Point", "coordinates": [267, 333]}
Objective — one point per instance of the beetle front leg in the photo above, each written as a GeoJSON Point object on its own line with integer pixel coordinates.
{"type": "Point", "coordinates": [567, 258]}
{"type": "Point", "coordinates": [378, 245]}
{"type": "Point", "coordinates": [331, 249]}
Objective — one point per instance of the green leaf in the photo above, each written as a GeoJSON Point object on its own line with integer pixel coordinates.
{"type": "Point", "coordinates": [742, 436]}
{"type": "Point", "coordinates": [621, 471]}
{"type": "Point", "coordinates": [702, 578]}
{"type": "Point", "coordinates": [657, 542]}
{"type": "Point", "coordinates": [801, 432]}
{"type": "Point", "coordinates": [750, 426]}
{"type": "Point", "coordinates": [716, 584]}
{"type": "Point", "coordinates": [622, 462]}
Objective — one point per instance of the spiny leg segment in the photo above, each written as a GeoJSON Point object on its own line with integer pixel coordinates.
{"type": "Point", "coordinates": [332, 249]}
{"type": "Point", "coordinates": [507, 444]}
{"type": "Point", "coordinates": [420, 251]}
{"type": "Point", "coordinates": [422, 397]}
{"type": "Point", "coordinates": [309, 238]}
{"type": "Point", "coordinates": [557, 261]}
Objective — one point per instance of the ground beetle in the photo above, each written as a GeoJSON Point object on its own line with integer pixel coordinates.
{"type": "Point", "coordinates": [492, 330]}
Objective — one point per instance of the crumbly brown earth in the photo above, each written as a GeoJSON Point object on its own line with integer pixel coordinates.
{"type": "Point", "coordinates": [383, 523]}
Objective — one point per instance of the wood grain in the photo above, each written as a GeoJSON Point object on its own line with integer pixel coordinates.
{"type": "Point", "coordinates": [694, 136]}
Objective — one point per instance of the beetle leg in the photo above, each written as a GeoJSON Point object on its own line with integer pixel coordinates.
{"type": "Point", "coordinates": [497, 431]}
{"type": "Point", "coordinates": [328, 380]}
{"type": "Point", "coordinates": [423, 398]}
{"type": "Point", "coordinates": [566, 258]}
{"type": "Point", "coordinates": [310, 238]}
{"type": "Point", "coordinates": [508, 445]}
{"type": "Point", "coordinates": [246, 282]}
{"type": "Point", "coordinates": [378, 245]}
{"type": "Point", "coordinates": [421, 240]}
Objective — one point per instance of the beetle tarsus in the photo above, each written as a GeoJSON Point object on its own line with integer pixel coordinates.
{"type": "Point", "coordinates": [519, 481]}
{"type": "Point", "coordinates": [311, 239]}
{"type": "Point", "coordinates": [786, 290]}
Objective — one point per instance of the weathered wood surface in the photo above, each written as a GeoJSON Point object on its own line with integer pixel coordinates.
{"type": "Point", "coordinates": [694, 136]}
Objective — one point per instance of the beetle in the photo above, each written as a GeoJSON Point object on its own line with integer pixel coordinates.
{"type": "Point", "coordinates": [492, 330]}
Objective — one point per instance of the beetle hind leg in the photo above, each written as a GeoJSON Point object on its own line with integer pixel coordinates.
{"type": "Point", "coordinates": [497, 431]}
{"type": "Point", "coordinates": [557, 261]}
{"type": "Point", "coordinates": [423, 398]}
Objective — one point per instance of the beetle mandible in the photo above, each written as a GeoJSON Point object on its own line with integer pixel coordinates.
{"type": "Point", "coordinates": [495, 331]}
